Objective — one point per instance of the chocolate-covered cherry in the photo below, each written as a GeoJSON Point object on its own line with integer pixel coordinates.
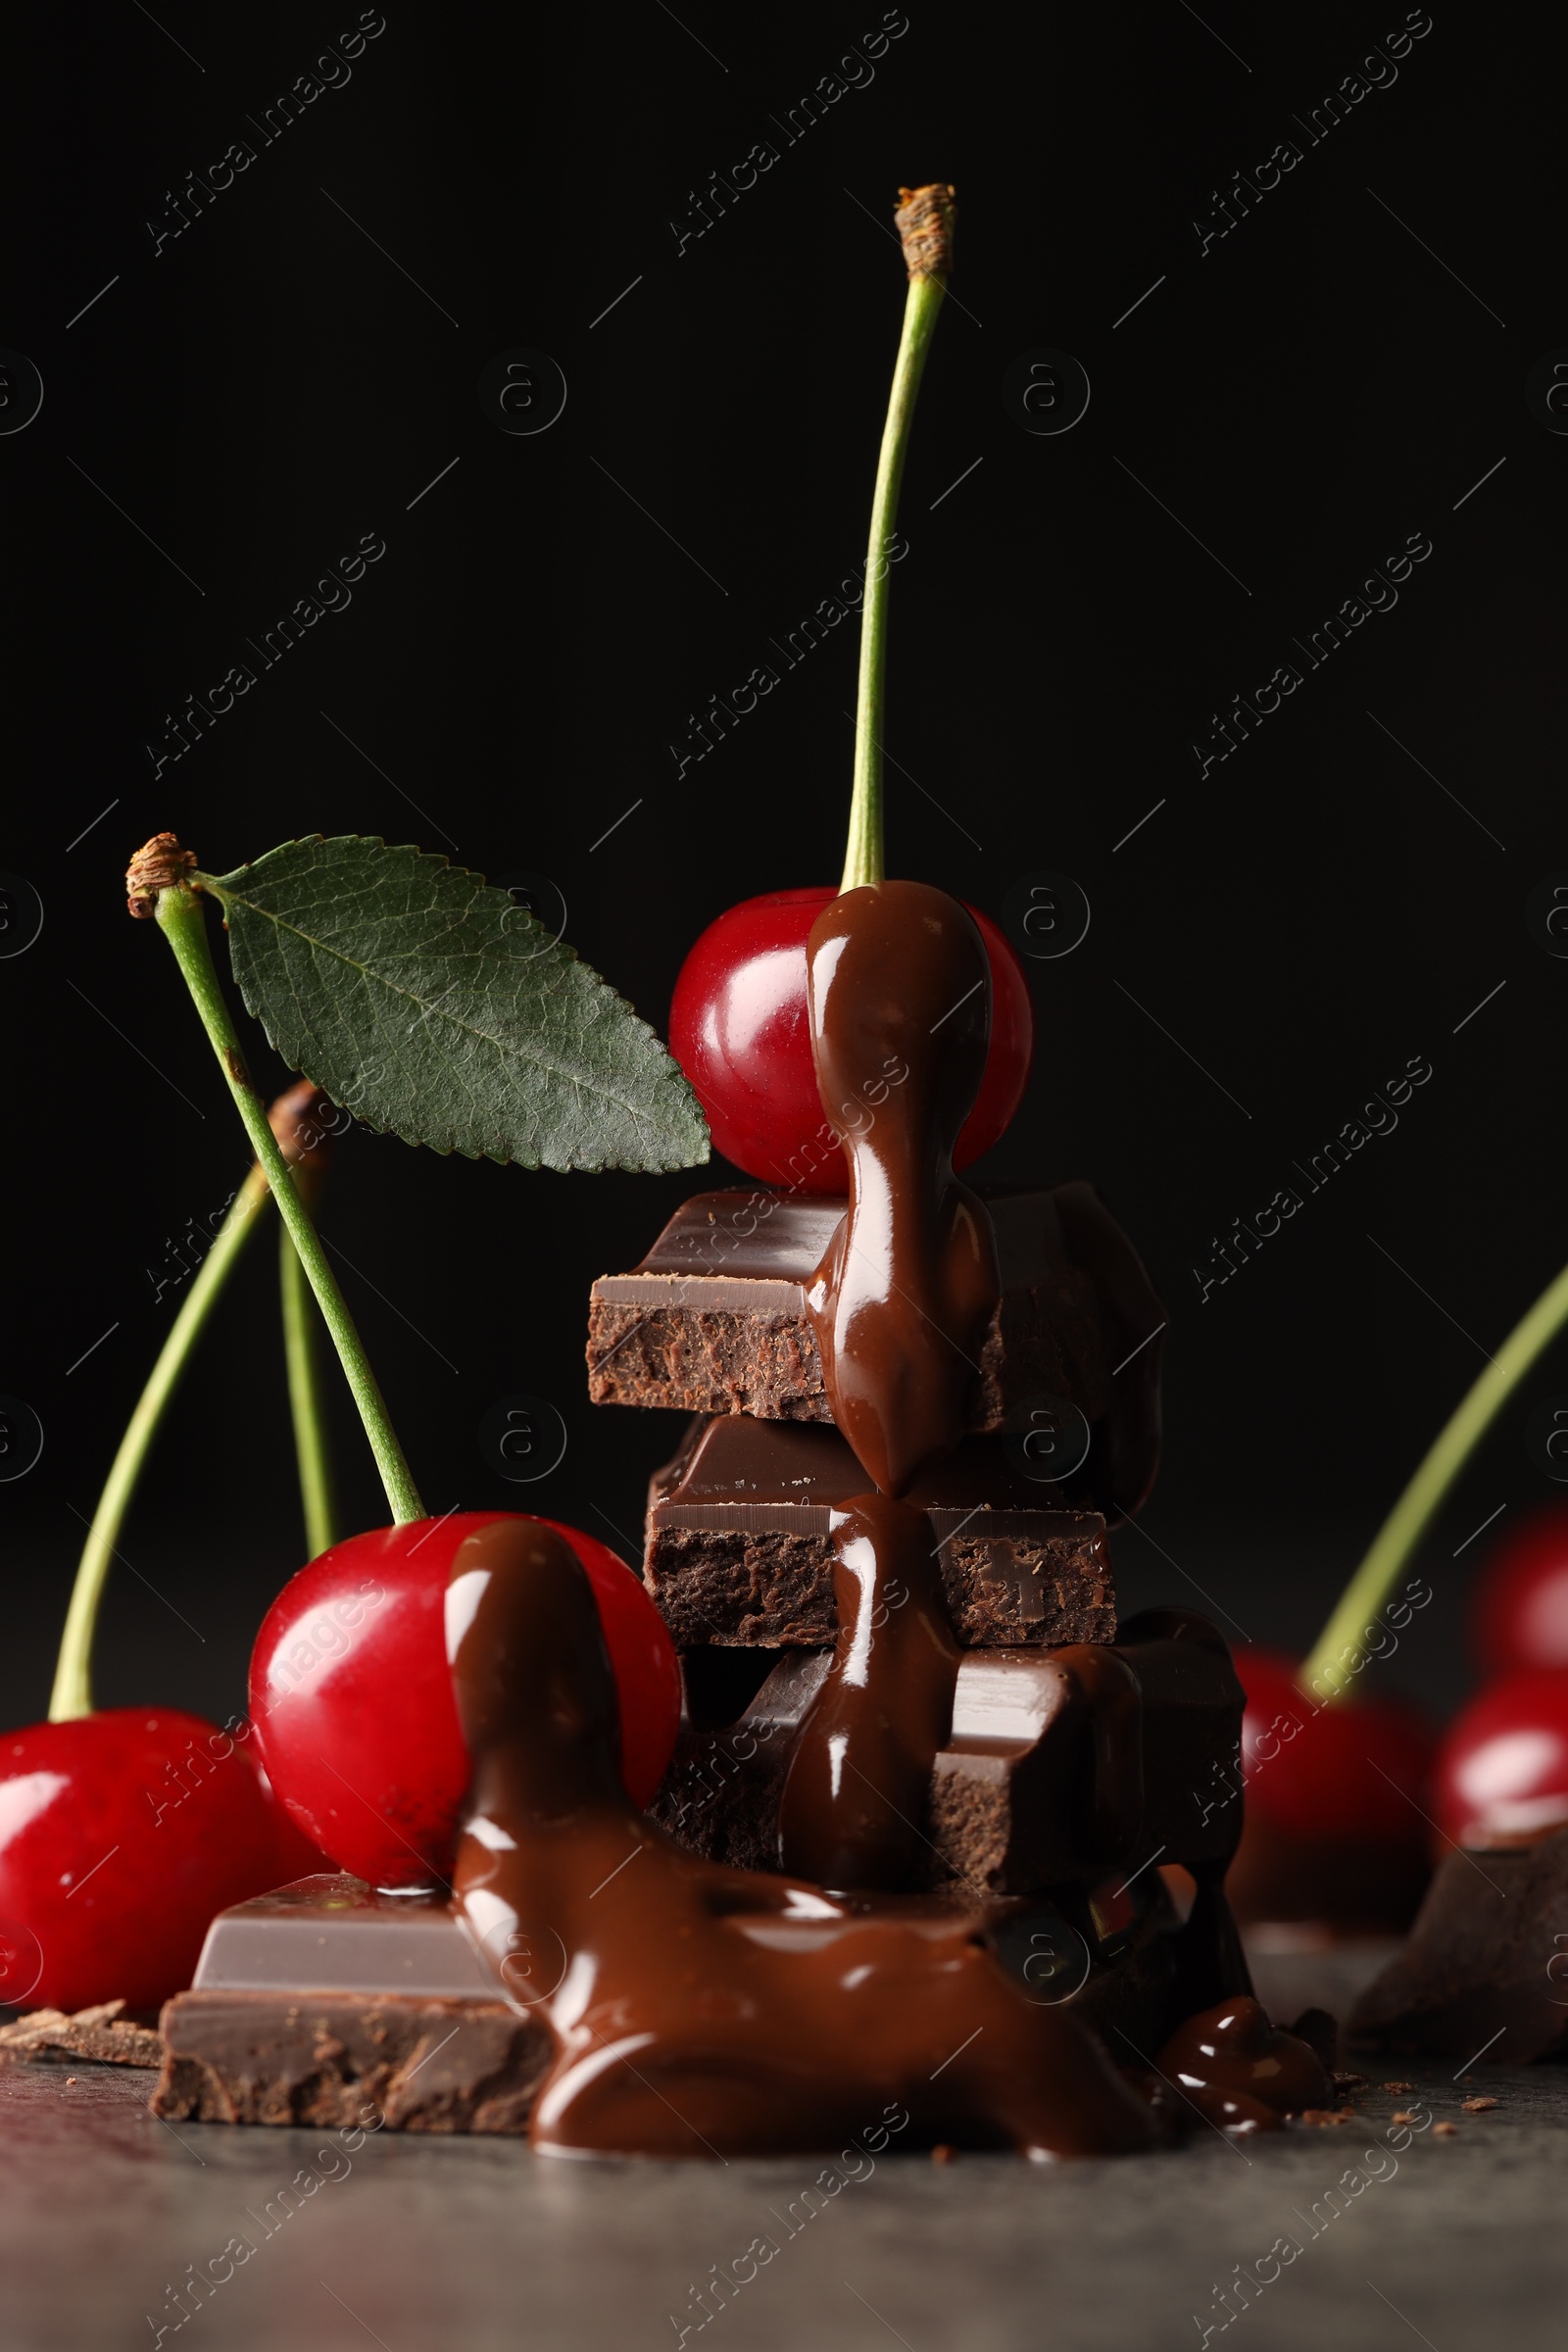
{"type": "Point", "coordinates": [120, 1835]}
{"type": "Point", "coordinates": [351, 1694]}
{"type": "Point", "coordinates": [738, 1026]}
{"type": "Point", "coordinates": [1501, 1772]}
{"type": "Point", "coordinates": [1519, 1608]}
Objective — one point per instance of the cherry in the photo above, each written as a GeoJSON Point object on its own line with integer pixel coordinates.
{"type": "Point", "coordinates": [120, 1835]}
{"type": "Point", "coordinates": [1351, 1771]}
{"type": "Point", "coordinates": [1332, 1832]}
{"type": "Point", "coordinates": [1519, 1608]}
{"type": "Point", "coordinates": [1501, 1773]}
{"type": "Point", "coordinates": [351, 1694]}
{"type": "Point", "coordinates": [737, 1027]}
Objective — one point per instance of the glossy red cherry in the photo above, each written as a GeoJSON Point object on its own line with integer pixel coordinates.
{"type": "Point", "coordinates": [1332, 1834]}
{"type": "Point", "coordinates": [1519, 1608]}
{"type": "Point", "coordinates": [120, 1835]}
{"type": "Point", "coordinates": [1356, 1770]}
{"type": "Point", "coordinates": [737, 1027]}
{"type": "Point", "coordinates": [1502, 1775]}
{"type": "Point", "coordinates": [351, 1694]}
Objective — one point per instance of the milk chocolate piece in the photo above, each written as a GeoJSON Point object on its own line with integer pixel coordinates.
{"type": "Point", "coordinates": [715, 1320]}
{"type": "Point", "coordinates": [1040, 1785]}
{"type": "Point", "coordinates": [1485, 1964]}
{"type": "Point", "coordinates": [740, 1550]}
{"type": "Point", "coordinates": [327, 2004]}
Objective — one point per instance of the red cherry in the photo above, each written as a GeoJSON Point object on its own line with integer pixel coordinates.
{"type": "Point", "coordinates": [1502, 1775]}
{"type": "Point", "coordinates": [1354, 1771]}
{"type": "Point", "coordinates": [351, 1694]}
{"type": "Point", "coordinates": [120, 1835]}
{"type": "Point", "coordinates": [1519, 1607]}
{"type": "Point", "coordinates": [737, 1027]}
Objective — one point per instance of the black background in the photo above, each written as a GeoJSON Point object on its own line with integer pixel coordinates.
{"type": "Point", "coordinates": [1303, 919]}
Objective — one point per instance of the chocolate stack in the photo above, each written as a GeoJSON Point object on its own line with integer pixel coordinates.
{"type": "Point", "coordinates": [1077, 1756]}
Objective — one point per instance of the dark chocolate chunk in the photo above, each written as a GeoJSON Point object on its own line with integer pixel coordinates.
{"type": "Point", "coordinates": [328, 2004]}
{"type": "Point", "coordinates": [1484, 1966]}
{"type": "Point", "coordinates": [1044, 1781]}
{"type": "Point", "coordinates": [350, 2061]}
{"type": "Point", "coordinates": [740, 1548]}
{"type": "Point", "coordinates": [715, 1320]}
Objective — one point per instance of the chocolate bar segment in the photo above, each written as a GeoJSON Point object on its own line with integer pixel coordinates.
{"type": "Point", "coordinates": [1484, 1966]}
{"type": "Point", "coordinates": [740, 1550]}
{"type": "Point", "coordinates": [1048, 1779]}
{"type": "Point", "coordinates": [1040, 1777]}
{"type": "Point", "coordinates": [328, 2004]}
{"type": "Point", "coordinates": [713, 1321]}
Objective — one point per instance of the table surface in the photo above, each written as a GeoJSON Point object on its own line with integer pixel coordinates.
{"type": "Point", "coordinates": [1455, 2241]}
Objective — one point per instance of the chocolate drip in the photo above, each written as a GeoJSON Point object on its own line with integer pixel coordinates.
{"type": "Point", "coordinates": [899, 996]}
{"type": "Point", "coordinates": [1239, 2072]}
{"type": "Point", "coordinates": [1211, 1964]}
{"type": "Point", "coordinates": [855, 1798]}
{"type": "Point", "coordinates": [695, 2009]}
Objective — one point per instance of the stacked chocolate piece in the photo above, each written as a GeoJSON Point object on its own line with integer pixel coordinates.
{"type": "Point", "coordinates": [1078, 1756]}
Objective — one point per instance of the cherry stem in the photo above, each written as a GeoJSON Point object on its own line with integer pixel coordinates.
{"type": "Point", "coordinates": [73, 1690]}
{"type": "Point", "coordinates": [1324, 1672]}
{"type": "Point", "coordinates": [303, 1357]}
{"type": "Point", "coordinates": [183, 923]}
{"type": "Point", "coordinates": [927, 251]}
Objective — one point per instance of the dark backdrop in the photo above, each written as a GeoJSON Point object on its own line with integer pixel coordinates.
{"type": "Point", "coordinates": [1284, 410]}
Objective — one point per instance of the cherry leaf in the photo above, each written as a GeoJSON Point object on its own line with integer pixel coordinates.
{"type": "Point", "coordinates": [433, 1007]}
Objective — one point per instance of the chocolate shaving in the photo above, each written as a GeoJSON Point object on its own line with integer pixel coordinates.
{"type": "Point", "coordinates": [99, 2032]}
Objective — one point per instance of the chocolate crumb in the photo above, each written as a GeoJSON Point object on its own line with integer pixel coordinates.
{"type": "Point", "coordinates": [69, 2078]}
{"type": "Point", "coordinates": [1446, 2130]}
{"type": "Point", "coordinates": [1405, 2115]}
{"type": "Point", "coordinates": [1344, 2080]}
{"type": "Point", "coordinates": [941, 2153]}
{"type": "Point", "coordinates": [99, 2032]}
{"type": "Point", "coordinates": [1478, 2106]}
{"type": "Point", "coordinates": [1398, 2086]}
{"type": "Point", "coordinates": [1329, 2115]}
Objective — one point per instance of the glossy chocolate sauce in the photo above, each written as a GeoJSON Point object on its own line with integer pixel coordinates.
{"type": "Point", "coordinates": [1239, 2072]}
{"type": "Point", "coordinates": [698, 2010]}
{"type": "Point", "coordinates": [854, 1800]}
{"type": "Point", "coordinates": [897, 980]}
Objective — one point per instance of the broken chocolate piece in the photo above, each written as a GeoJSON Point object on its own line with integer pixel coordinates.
{"type": "Point", "coordinates": [715, 1320]}
{"type": "Point", "coordinates": [350, 2061]}
{"type": "Point", "coordinates": [1028, 1792]}
{"type": "Point", "coordinates": [740, 1549]}
{"type": "Point", "coordinates": [100, 2034]}
{"type": "Point", "coordinates": [1485, 1964]}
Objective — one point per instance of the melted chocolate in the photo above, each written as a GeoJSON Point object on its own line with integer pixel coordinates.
{"type": "Point", "coordinates": [695, 2009]}
{"type": "Point", "coordinates": [1239, 2072]}
{"type": "Point", "coordinates": [858, 1786]}
{"type": "Point", "coordinates": [900, 999]}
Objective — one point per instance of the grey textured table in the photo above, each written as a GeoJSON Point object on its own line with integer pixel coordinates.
{"type": "Point", "coordinates": [1455, 2241]}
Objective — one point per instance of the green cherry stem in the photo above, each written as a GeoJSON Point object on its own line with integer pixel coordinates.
{"type": "Point", "coordinates": [925, 223]}
{"type": "Point", "coordinates": [302, 1358]}
{"type": "Point", "coordinates": [1396, 1539]}
{"type": "Point", "coordinates": [183, 923]}
{"type": "Point", "coordinates": [73, 1692]}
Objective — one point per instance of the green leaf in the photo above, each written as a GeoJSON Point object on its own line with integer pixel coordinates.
{"type": "Point", "coordinates": [435, 1009]}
